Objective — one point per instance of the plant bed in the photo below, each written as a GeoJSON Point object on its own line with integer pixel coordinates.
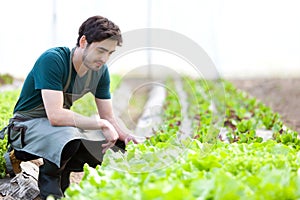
{"type": "Point", "coordinates": [280, 94]}
{"type": "Point", "coordinates": [203, 166]}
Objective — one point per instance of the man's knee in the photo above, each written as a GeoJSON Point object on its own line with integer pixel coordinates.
{"type": "Point", "coordinates": [69, 150]}
{"type": "Point", "coordinates": [24, 156]}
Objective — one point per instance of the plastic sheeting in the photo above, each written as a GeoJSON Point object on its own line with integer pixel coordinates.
{"type": "Point", "coordinates": [23, 186]}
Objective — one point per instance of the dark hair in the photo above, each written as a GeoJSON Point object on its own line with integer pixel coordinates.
{"type": "Point", "coordinates": [97, 29]}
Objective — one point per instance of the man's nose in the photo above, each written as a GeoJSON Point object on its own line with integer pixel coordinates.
{"type": "Point", "coordinates": [104, 57]}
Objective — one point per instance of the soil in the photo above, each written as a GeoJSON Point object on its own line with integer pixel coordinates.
{"type": "Point", "coordinates": [282, 95]}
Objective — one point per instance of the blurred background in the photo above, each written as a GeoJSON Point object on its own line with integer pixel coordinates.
{"type": "Point", "coordinates": [245, 39]}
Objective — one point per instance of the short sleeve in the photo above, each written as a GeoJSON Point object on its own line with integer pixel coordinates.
{"type": "Point", "coordinates": [48, 73]}
{"type": "Point", "coordinates": [103, 87]}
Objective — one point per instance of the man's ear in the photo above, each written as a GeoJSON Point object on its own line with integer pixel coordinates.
{"type": "Point", "coordinates": [82, 42]}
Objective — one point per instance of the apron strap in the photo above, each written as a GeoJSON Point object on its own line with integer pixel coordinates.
{"type": "Point", "coordinates": [70, 71]}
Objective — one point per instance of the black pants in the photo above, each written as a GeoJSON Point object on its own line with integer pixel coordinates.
{"type": "Point", "coordinates": [52, 179]}
{"type": "Point", "coordinates": [55, 180]}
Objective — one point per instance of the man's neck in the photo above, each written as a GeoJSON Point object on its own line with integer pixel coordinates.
{"type": "Point", "coordinates": [77, 62]}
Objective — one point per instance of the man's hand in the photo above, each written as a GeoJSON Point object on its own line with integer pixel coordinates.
{"type": "Point", "coordinates": [129, 138]}
{"type": "Point", "coordinates": [110, 134]}
{"type": "Point", "coordinates": [105, 111]}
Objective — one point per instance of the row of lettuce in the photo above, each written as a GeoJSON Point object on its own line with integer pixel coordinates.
{"type": "Point", "coordinates": [202, 166]}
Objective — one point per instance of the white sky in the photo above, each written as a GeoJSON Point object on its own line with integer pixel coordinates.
{"type": "Point", "coordinates": [243, 37]}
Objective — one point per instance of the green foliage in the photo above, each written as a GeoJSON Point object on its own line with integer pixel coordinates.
{"type": "Point", "coordinates": [7, 100]}
{"type": "Point", "coordinates": [164, 167]}
{"type": "Point", "coordinates": [3, 149]}
{"type": "Point", "coordinates": [6, 79]}
{"type": "Point", "coordinates": [86, 105]}
{"type": "Point", "coordinates": [115, 81]}
{"type": "Point", "coordinates": [230, 171]}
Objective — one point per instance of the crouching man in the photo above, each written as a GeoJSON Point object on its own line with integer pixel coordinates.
{"type": "Point", "coordinates": [43, 126]}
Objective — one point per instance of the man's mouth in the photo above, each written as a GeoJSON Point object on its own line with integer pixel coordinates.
{"type": "Point", "coordinates": [99, 64]}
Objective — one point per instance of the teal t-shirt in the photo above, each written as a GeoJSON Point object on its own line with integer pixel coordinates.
{"type": "Point", "coordinates": [51, 71]}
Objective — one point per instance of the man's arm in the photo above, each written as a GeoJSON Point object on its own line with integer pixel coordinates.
{"type": "Point", "coordinates": [105, 111]}
{"type": "Point", "coordinates": [58, 116]}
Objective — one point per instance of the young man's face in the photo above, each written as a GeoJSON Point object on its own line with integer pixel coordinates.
{"type": "Point", "coordinates": [97, 54]}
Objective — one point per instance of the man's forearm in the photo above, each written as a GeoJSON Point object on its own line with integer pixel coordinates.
{"type": "Point", "coordinates": [105, 111]}
{"type": "Point", "coordinates": [65, 117]}
{"type": "Point", "coordinates": [119, 129]}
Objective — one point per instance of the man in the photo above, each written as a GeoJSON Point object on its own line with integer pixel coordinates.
{"type": "Point", "coordinates": [43, 125]}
